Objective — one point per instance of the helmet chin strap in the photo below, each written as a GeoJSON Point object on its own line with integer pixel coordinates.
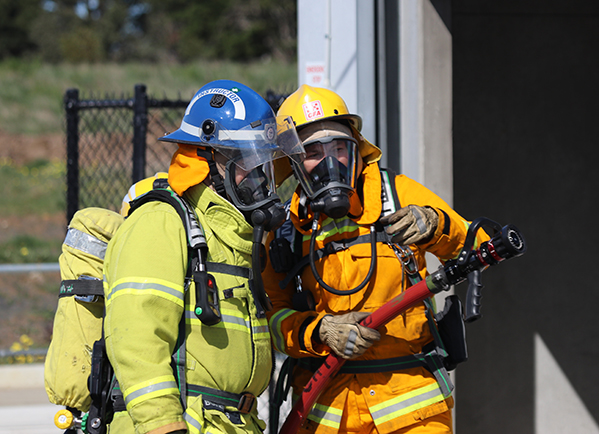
{"type": "Point", "coordinates": [215, 176]}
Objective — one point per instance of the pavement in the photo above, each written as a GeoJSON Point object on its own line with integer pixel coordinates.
{"type": "Point", "coordinates": [24, 405]}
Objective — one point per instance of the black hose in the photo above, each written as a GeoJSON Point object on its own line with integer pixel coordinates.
{"type": "Point", "coordinates": [315, 271]}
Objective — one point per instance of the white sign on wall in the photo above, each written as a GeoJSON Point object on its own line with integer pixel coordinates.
{"type": "Point", "coordinates": [315, 74]}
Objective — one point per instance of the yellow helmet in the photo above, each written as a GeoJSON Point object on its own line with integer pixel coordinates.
{"type": "Point", "coordinates": [312, 104]}
{"type": "Point", "coordinates": [139, 188]}
{"type": "Point", "coordinates": [309, 104]}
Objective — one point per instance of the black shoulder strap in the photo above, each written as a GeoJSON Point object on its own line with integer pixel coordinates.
{"type": "Point", "coordinates": [198, 252]}
{"type": "Point", "coordinates": [195, 236]}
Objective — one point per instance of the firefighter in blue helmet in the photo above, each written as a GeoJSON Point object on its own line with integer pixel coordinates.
{"type": "Point", "coordinates": [222, 168]}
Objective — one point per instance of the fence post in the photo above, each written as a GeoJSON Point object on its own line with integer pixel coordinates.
{"type": "Point", "coordinates": [140, 128]}
{"type": "Point", "coordinates": [71, 104]}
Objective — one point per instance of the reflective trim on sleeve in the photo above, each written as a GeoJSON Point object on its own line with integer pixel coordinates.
{"type": "Point", "coordinates": [275, 328]}
{"type": "Point", "coordinates": [328, 416]}
{"type": "Point", "coordinates": [406, 403]}
{"type": "Point", "coordinates": [85, 242]}
{"type": "Point", "coordinates": [141, 286]}
{"type": "Point", "coordinates": [153, 388]}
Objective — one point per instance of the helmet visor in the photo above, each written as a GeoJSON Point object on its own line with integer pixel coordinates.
{"type": "Point", "coordinates": [328, 162]}
{"type": "Point", "coordinates": [260, 142]}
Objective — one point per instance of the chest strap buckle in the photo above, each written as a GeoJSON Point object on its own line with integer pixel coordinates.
{"type": "Point", "coordinates": [246, 402]}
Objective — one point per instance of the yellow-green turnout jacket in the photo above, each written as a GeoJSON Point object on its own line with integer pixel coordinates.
{"type": "Point", "coordinates": [174, 371]}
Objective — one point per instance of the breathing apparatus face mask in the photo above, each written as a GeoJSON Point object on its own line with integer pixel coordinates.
{"type": "Point", "coordinates": [249, 174]}
{"type": "Point", "coordinates": [250, 184]}
{"type": "Point", "coordinates": [328, 174]}
{"type": "Point", "coordinates": [253, 193]}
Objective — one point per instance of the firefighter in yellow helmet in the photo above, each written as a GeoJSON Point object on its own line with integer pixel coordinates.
{"type": "Point", "coordinates": [190, 345]}
{"type": "Point", "coordinates": [160, 179]}
{"type": "Point", "coordinates": [323, 277]}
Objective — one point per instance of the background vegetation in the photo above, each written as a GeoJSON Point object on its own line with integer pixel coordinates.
{"type": "Point", "coordinates": [104, 48]}
{"type": "Point", "coordinates": [148, 30]}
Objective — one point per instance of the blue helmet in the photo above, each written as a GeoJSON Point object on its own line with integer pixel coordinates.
{"type": "Point", "coordinates": [233, 119]}
{"type": "Point", "coordinates": [230, 118]}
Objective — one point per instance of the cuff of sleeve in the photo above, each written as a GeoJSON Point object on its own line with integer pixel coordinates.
{"type": "Point", "coordinates": [171, 427]}
{"type": "Point", "coordinates": [313, 345]}
{"type": "Point", "coordinates": [436, 236]}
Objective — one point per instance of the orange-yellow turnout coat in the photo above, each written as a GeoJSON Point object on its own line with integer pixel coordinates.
{"type": "Point", "coordinates": [394, 399]}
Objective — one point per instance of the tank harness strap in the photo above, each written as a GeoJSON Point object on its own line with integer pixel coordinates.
{"type": "Point", "coordinates": [197, 248]}
{"type": "Point", "coordinates": [118, 401]}
{"type": "Point", "coordinates": [328, 249]}
{"type": "Point", "coordinates": [219, 399]}
{"type": "Point", "coordinates": [178, 362]}
{"type": "Point", "coordinates": [367, 366]}
{"type": "Point", "coordinates": [232, 270]}
{"type": "Point", "coordinates": [434, 353]}
{"type": "Point", "coordinates": [81, 287]}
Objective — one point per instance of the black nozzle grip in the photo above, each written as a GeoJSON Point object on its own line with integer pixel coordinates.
{"type": "Point", "coordinates": [473, 297]}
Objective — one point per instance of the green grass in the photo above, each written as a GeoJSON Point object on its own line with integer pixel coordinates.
{"type": "Point", "coordinates": [27, 249]}
{"type": "Point", "coordinates": [32, 104]}
{"type": "Point", "coordinates": [32, 92]}
{"type": "Point", "coordinates": [35, 188]}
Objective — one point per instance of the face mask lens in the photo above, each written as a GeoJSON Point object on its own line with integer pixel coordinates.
{"type": "Point", "coordinates": [254, 186]}
{"type": "Point", "coordinates": [328, 170]}
{"type": "Point", "coordinates": [326, 162]}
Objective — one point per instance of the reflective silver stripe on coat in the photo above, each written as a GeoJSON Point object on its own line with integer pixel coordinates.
{"type": "Point", "coordinates": [234, 320]}
{"type": "Point", "coordinates": [406, 403]}
{"type": "Point", "coordinates": [229, 319]}
{"type": "Point", "coordinates": [145, 285]}
{"type": "Point", "coordinates": [85, 242]}
{"type": "Point", "coordinates": [328, 416]}
{"type": "Point", "coordinates": [192, 421]}
{"type": "Point", "coordinates": [331, 227]}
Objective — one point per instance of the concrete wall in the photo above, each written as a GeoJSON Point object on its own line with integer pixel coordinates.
{"type": "Point", "coordinates": [526, 84]}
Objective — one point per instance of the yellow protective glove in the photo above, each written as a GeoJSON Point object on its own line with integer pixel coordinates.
{"type": "Point", "coordinates": [412, 224]}
{"type": "Point", "coordinates": [345, 336]}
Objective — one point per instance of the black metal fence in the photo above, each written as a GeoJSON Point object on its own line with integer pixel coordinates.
{"type": "Point", "coordinates": [113, 143]}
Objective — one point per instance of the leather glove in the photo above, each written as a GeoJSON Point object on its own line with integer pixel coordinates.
{"type": "Point", "coordinates": [345, 336]}
{"type": "Point", "coordinates": [412, 224]}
